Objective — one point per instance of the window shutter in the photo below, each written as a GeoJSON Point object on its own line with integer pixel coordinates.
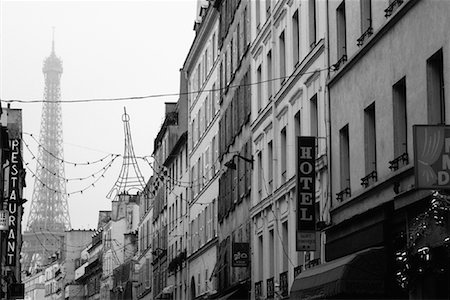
{"type": "Point", "coordinates": [248, 178]}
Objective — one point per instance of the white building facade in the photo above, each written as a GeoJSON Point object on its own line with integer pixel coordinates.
{"type": "Point", "coordinates": [289, 69]}
{"type": "Point", "coordinates": [201, 67]}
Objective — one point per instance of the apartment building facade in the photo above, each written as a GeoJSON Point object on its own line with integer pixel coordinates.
{"type": "Point", "coordinates": [144, 255]}
{"type": "Point", "coordinates": [390, 67]}
{"type": "Point", "coordinates": [201, 69]}
{"type": "Point", "coordinates": [232, 270]}
{"type": "Point", "coordinates": [177, 183]}
{"type": "Point", "coordinates": [288, 101]}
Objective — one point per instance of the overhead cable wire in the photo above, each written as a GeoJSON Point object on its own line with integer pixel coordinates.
{"type": "Point", "coordinates": [93, 175]}
{"type": "Point", "coordinates": [69, 162]}
{"type": "Point", "coordinates": [163, 95]}
{"type": "Point", "coordinates": [74, 192]}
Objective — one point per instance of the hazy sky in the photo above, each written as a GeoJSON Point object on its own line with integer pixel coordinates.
{"type": "Point", "coordinates": [109, 49]}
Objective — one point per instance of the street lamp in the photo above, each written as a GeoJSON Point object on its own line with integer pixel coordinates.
{"type": "Point", "coordinates": [232, 165]}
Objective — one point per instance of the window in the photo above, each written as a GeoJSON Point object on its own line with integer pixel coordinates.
{"type": "Point", "coordinates": [269, 74]}
{"type": "Point", "coordinates": [283, 155]}
{"type": "Point", "coordinates": [370, 139]}
{"type": "Point", "coordinates": [312, 22]}
{"type": "Point", "coordinates": [285, 245]}
{"type": "Point", "coordinates": [206, 111]}
{"type": "Point", "coordinates": [271, 254]}
{"type": "Point", "coordinates": [258, 13]}
{"type": "Point", "coordinates": [260, 175]}
{"type": "Point", "coordinates": [295, 38]}
{"type": "Point", "coordinates": [212, 96]}
{"type": "Point", "coordinates": [198, 77]}
{"type": "Point", "coordinates": [366, 15]}
{"type": "Point", "coordinates": [260, 257]}
{"type": "Point", "coordinates": [313, 116]}
{"type": "Point", "coordinates": [297, 120]}
{"type": "Point", "coordinates": [341, 31]}
{"type": "Point", "coordinates": [214, 51]}
{"type": "Point", "coordinates": [344, 157]}
{"type": "Point", "coordinates": [282, 57]}
{"type": "Point", "coordinates": [435, 89]}
{"type": "Point", "coordinates": [239, 42]}
{"type": "Point", "coordinates": [206, 65]}
{"type": "Point", "coordinates": [400, 121]}
{"type": "Point", "coordinates": [258, 88]}
{"type": "Point", "coordinates": [270, 166]}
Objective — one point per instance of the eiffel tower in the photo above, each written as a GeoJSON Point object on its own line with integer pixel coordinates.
{"type": "Point", "coordinates": [49, 212]}
{"type": "Point", "coordinates": [130, 180]}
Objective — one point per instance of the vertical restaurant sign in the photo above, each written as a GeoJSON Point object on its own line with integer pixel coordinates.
{"type": "Point", "coordinates": [306, 194]}
{"type": "Point", "coordinates": [432, 156]}
{"type": "Point", "coordinates": [13, 203]}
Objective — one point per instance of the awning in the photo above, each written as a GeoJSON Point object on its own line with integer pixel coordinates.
{"type": "Point", "coordinates": [361, 273]}
{"type": "Point", "coordinates": [227, 296]}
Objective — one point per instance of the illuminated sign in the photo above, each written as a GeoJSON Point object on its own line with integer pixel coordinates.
{"type": "Point", "coordinates": [432, 156]}
{"type": "Point", "coordinates": [13, 203]}
{"type": "Point", "coordinates": [4, 220]}
{"type": "Point", "coordinates": [241, 254]}
{"type": "Point", "coordinates": [306, 194]}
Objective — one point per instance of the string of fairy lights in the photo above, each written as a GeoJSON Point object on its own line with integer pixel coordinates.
{"type": "Point", "coordinates": [414, 258]}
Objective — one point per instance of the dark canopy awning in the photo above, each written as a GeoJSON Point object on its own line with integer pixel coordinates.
{"type": "Point", "coordinates": [361, 273]}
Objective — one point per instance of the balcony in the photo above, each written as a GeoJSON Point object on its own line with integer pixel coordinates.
{"type": "Point", "coordinates": [344, 194]}
{"type": "Point", "coordinates": [284, 285]}
{"type": "Point", "coordinates": [402, 159]}
{"type": "Point", "coordinates": [339, 63]}
{"type": "Point", "coordinates": [365, 35]}
{"type": "Point", "coordinates": [392, 7]}
{"type": "Point", "coordinates": [270, 287]}
{"type": "Point", "coordinates": [372, 176]}
{"type": "Point", "coordinates": [298, 270]}
{"type": "Point", "coordinates": [258, 289]}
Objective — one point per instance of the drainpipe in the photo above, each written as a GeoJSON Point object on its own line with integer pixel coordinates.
{"type": "Point", "coordinates": [328, 123]}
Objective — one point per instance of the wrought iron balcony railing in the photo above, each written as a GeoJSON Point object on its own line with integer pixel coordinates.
{"type": "Point", "coordinates": [394, 164]}
{"type": "Point", "coordinates": [392, 7]}
{"type": "Point", "coordinates": [365, 181]}
{"type": "Point", "coordinates": [340, 62]}
{"type": "Point", "coordinates": [365, 35]}
{"type": "Point", "coordinates": [344, 193]}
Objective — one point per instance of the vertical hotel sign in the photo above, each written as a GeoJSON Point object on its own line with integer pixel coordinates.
{"type": "Point", "coordinates": [13, 203]}
{"type": "Point", "coordinates": [306, 194]}
{"type": "Point", "coordinates": [432, 156]}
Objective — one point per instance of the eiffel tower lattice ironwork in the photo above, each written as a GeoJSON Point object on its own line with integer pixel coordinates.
{"type": "Point", "coordinates": [49, 212]}
{"type": "Point", "coordinates": [130, 178]}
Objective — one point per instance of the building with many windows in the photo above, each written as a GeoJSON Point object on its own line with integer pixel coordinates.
{"type": "Point", "coordinates": [144, 255]}
{"type": "Point", "coordinates": [177, 182]}
{"type": "Point", "coordinates": [232, 271]}
{"type": "Point", "coordinates": [289, 68]}
{"type": "Point", "coordinates": [390, 67]}
{"type": "Point", "coordinates": [201, 69]}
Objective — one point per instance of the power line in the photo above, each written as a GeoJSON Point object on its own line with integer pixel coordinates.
{"type": "Point", "coordinates": [56, 173]}
{"type": "Point", "coordinates": [69, 162]}
{"type": "Point", "coordinates": [77, 191]}
{"type": "Point", "coordinates": [163, 95]}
